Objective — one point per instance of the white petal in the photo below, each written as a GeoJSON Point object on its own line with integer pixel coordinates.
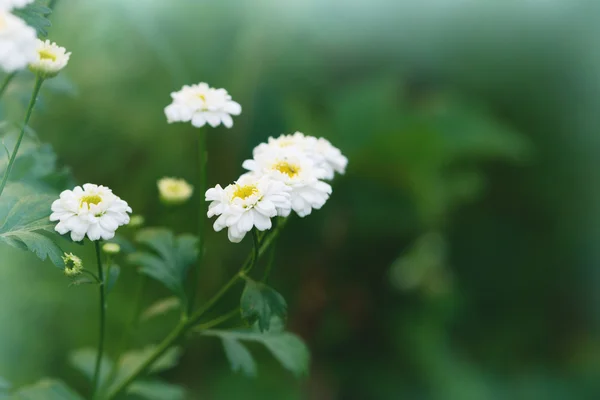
{"type": "Point", "coordinates": [232, 108]}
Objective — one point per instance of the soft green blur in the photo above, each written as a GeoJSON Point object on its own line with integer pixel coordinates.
{"type": "Point", "coordinates": [459, 256]}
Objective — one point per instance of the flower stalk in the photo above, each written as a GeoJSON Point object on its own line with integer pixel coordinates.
{"type": "Point", "coordinates": [7, 80]}
{"type": "Point", "coordinates": [192, 322]}
{"type": "Point", "coordinates": [102, 328]}
{"type": "Point", "coordinates": [34, 95]}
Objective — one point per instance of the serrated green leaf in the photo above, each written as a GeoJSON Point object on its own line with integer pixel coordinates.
{"type": "Point", "coordinates": [34, 15]}
{"type": "Point", "coordinates": [156, 390]}
{"type": "Point", "coordinates": [286, 347]}
{"type": "Point", "coordinates": [84, 360]}
{"type": "Point", "coordinates": [21, 224]}
{"type": "Point", "coordinates": [111, 275]}
{"type": "Point", "coordinates": [172, 258]}
{"type": "Point", "coordinates": [161, 307]}
{"type": "Point", "coordinates": [46, 389]}
{"type": "Point", "coordinates": [261, 303]}
{"type": "Point", "coordinates": [239, 357]}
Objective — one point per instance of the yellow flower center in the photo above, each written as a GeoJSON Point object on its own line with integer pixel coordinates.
{"type": "Point", "coordinates": [285, 167]}
{"type": "Point", "coordinates": [243, 192]}
{"type": "Point", "coordinates": [92, 199]}
{"type": "Point", "coordinates": [202, 97]}
{"type": "Point", "coordinates": [175, 188]}
{"type": "Point", "coordinates": [47, 55]}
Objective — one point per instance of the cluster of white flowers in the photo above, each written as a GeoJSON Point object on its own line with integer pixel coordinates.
{"type": "Point", "coordinates": [286, 173]}
{"type": "Point", "coordinates": [20, 47]}
{"type": "Point", "coordinates": [202, 104]}
{"type": "Point", "coordinates": [92, 210]}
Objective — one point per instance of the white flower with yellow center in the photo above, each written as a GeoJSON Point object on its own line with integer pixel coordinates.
{"type": "Point", "coordinates": [8, 5]}
{"type": "Point", "coordinates": [17, 43]}
{"type": "Point", "coordinates": [202, 104]}
{"type": "Point", "coordinates": [92, 210]}
{"type": "Point", "coordinates": [249, 202]}
{"type": "Point", "coordinates": [320, 150]}
{"type": "Point", "coordinates": [297, 171]}
{"type": "Point", "coordinates": [174, 191]}
{"type": "Point", "coordinates": [50, 59]}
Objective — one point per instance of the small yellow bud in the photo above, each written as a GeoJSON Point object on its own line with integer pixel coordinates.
{"type": "Point", "coordinates": [136, 221]}
{"type": "Point", "coordinates": [111, 248]}
{"type": "Point", "coordinates": [174, 191]}
{"type": "Point", "coordinates": [73, 264]}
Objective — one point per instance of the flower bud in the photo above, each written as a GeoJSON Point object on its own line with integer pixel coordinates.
{"type": "Point", "coordinates": [111, 248]}
{"type": "Point", "coordinates": [73, 264]}
{"type": "Point", "coordinates": [174, 191]}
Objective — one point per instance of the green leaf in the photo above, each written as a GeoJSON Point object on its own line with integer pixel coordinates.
{"type": "Point", "coordinates": [84, 360]}
{"type": "Point", "coordinates": [133, 359]}
{"type": "Point", "coordinates": [35, 15]}
{"type": "Point", "coordinates": [21, 224]}
{"type": "Point", "coordinates": [286, 347]}
{"type": "Point", "coordinates": [111, 275]}
{"type": "Point", "coordinates": [171, 259]}
{"type": "Point", "coordinates": [161, 307]}
{"type": "Point", "coordinates": [239, 357]}
{"type": "Point", "coordinates": [46, 389]}
{"type": "Point", "coordinates": [260, 303]}
{"type": "Point", "coordinates": [156, 390]}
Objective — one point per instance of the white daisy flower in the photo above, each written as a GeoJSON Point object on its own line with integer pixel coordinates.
{"type": "Point", "coordinates": [17, 43]}
{"type": "Point", "coordinates": [50, 59]}
{"type": "Point", "coordinates": [250, 202]}
{"type": "Point", "coordinates": [92, 210]}
{"type": "Point", "coordinates": [321, 151]}
{"type": "Point", "coordinates": [174, 191]}
{"type": "Point", "coordinates": [202, 104]}
{"type": "Point", "coordinates": [299, 172]}
{"type": "Point", "coordinates": [8, 5]}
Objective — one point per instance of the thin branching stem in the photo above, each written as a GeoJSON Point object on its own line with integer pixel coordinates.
{"type": "Point", "coordinates": [36, 90]}
{"type": "Point", "coordinates": [7, 80]}
{"type": "Point", "coordinates": [192, 322]}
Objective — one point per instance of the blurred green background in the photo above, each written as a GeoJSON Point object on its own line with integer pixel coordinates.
{"type": "Point", "coordinates": [458, 256]}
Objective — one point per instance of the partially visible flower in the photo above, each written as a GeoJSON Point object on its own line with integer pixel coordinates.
{"type": "Point", "coordinates": [297, 171]}
{"type": "Point", "coordinates": [92, 210]}
{"type": "Point", "coordinates": [320, 150]}
{"type": "Point", "coordinates": [111, 248]}
{"type": "Point", "coordinates": [249, 202]}
{"type": "Point", "coordinates": [174, 191]}
{"type": "Point", "coordinates": [202, 104]}
{"type": "Point", "coordinates": [17, 42]}
{"type": "Point", "coordinates": [136, 221]}
{"type": "Point", "coordinates": [50, 59]}
{"type": "Point", "coordinates": [8, 5]}
{"type": "Point", "coordinates": [73, 264]}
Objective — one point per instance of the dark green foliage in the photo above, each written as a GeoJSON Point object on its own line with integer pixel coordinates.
{"type": "Point", "coordinates": [260, 303]}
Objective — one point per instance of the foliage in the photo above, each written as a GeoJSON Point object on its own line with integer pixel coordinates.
{"type": "Point", "coordinates": [260, 303]}
{"type": "Point", "coordinates": [36, 15]}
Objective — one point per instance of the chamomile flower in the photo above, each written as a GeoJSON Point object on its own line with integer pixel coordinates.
{"type": "Point", "coordinates": [297, 171]}
{"type": "Point", "coordinates": [73, 264]}
{"type": "Point", "coordinates": [320, 150]}
{"type": "Point", "coordinates": [202, 104]}
{"type": "Point", "coordinates": [8, 5]}
{"type": "Point", "coordinates": [50, 59]}
{"type": "Point", "coordinates": [174, 191]}
{"type": "Point", "coordinates": [17, 42]}
{"type": "Point", "coordinates": [92, 210]}
{"type": "Point", "coordinates": [250, 202]}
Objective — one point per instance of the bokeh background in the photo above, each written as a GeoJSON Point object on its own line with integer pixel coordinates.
{"type": "Point", "coordinates": [458, 257]}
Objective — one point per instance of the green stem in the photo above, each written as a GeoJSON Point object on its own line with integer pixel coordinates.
{"type": "Point", "coordinates": [36, 90]}
{"type": "Point", "coordinates": [200, 190]}
{"type": "Point", "coordinates": [214, 322]}
{"type": "Point", "coordinates": [102, 321]}
{"type": "Point", "coordinates": [270, 262]}
{"type": "Point", "coordinates": [6, 82]}
{"type": "Point", "coordinates": [186, 324]}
